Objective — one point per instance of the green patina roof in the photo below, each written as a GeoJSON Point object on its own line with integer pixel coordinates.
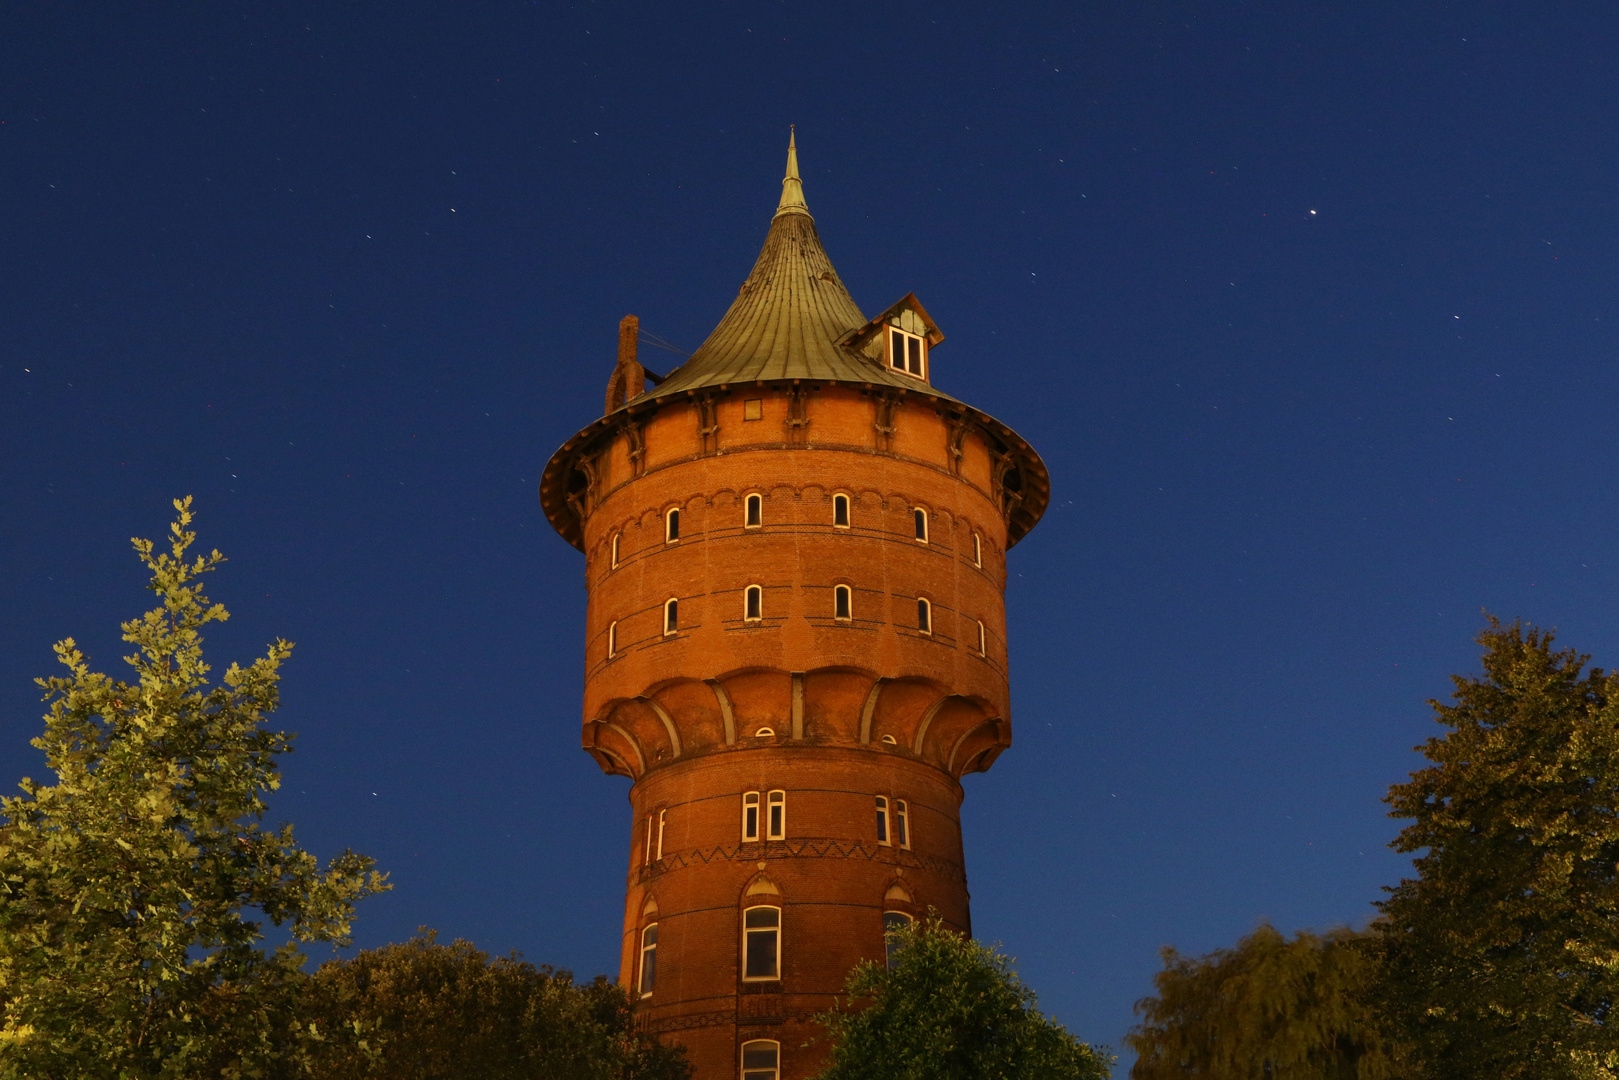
{"type": "Point", "coordinates": [787, 320]}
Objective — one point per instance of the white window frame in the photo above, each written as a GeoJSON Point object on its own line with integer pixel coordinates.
{"type": "Point", "coordinates": [891, 923]}
{"type": "Point", "coordinates": [920, 526]}
{"type": "Point", "coordinates": [671, 525]}
{"type": "Point", "coordinates": [751, 822]}
{"type": "Point", "coordinates": [612, 639]}
{"type": "Point", "coordinates": [846, 594]}
{"type": "Point", "coordinates": [646, 849]}
{"type": "Point", "coordinates": [649, 960]}
{"type": "Point", "coordinates": [671, 615]}
{"type": "Point", "coordinates": [663, 819]}
{"type": "Point", "coordinates": [747, 931]}
{"type": "Point", "coordinates": [895, 338]}
{"type": "Point", "coordinates": [616, 538]}
{"type": "Point", "coordinates": [981, 651]}
{"type": "Point", "coordinates": [760, 1072]}
{"type": "Point", "coordinates": [776, 815]}
{"type": "Point", "coordinates": [882, 821]}
{"type": "Point", "coordinates": [750, 502]}
{"type": "Point", "coordinates": [978, 551]}
{"type": "Point", "coordinates": [924, 616]}
{"type": "Point", "coordinates": [848, 511]}
{"type": "Point", "coordinates": [748, 604]}
{"type": "Point", "coordinates": [902, 824]}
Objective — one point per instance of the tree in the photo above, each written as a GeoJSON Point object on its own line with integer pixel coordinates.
{"type": "Point", "coordinates": [1501, 957]}
{"type": "Point", "coordinates": [443, 1012]}
{"type": "Point", "coordinates": [949, 1009]}
{"type": "Point", "coordinates": [1267, 1008]}
{"type": "Point", "coordinates": [128, 889]}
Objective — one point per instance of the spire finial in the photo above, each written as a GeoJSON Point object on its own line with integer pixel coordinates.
{"type": "Point", "coordinates": [792, 189]}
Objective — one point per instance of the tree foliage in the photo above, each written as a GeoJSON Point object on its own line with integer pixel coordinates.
{"type": "Point", "coordinates": [949, 1009]}
{"type": "Point", "coordinates": [1269, 1007]}
{"type": "Point", "coordinates": [445, 1012]}
{"type": "Point", "coordinates": [1501, 957]}
{"type": "Point", "coordinates": [129, 888]}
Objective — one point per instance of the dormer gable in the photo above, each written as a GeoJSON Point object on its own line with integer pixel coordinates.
{"type": "Point", "coordinates": [899, 339]}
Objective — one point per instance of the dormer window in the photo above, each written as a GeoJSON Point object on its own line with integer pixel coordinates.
{"type": "Point", "coordinates": [907, 353]}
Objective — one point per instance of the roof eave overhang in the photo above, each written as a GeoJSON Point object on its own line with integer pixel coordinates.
{"type": "Point", "coordinates": [1036, 480]}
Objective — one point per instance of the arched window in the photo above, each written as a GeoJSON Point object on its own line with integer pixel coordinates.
{"type": "Point", "coordinates": [840, 511]}
{"type": "Point", "coordinates": [671, 525]}
{"type": "Point", "coordinates": [761, 1060]}
{"type": "Point", "coordinates": [980, 637]}
{"type": "Point", "coordinates": [902, 831]}
{"type": "Point", "coordinates": [893, 923]}
{"type": "Point", "coordinates": [761, 944]}
{"type": "Point", "coordinates": [842, 597]}
{"type": "Point", "coordinates": [671, 615]}
{"type": "Point", "coordinates": [978, 551]}
{"type": "Point", "coordinates": [755, 512]}
{"type": "Point", "coordinates": [753, 604]}
{"type": "Point", "coordinates": [616, 537]}
{"type": "Point", "coordinates": [924, 615]}
{"type": "Point", "coordinates": [776, 815]}
{"type": "Point", "coordinates": [920, 518]}
{"type": "Point", "coordinates": [649, 959]}
{"type": "Point", "coordinates": [882, 820]}
{"type": "Point", "coordinates": [612, 639]}
{"type": "Point", "coordinates": [750, 815]}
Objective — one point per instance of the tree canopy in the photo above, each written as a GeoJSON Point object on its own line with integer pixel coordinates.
{"type": "Point", "coordinates": [131, 888]}
{"type": "Point", "coordinates": [427, 1011]}
{"type": "Point", "coordinates": [949, 1009]}
{"type": "Point", "coordinates": [1501, 957]}
{"type": "Point", "coordinates": [1268, 1007]}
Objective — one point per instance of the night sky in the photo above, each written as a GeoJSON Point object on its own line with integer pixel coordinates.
{"type": "Point", "coordinates": [1309, 307]}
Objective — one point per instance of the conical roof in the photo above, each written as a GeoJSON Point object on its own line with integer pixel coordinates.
{"type": "Point", "coordinates": [786, 321]}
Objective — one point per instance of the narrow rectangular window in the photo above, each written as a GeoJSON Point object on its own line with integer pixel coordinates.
{"type": "Point", "coordinates": [761, 943]}
{"type": "Point", "coordinates": [750, 815]}
{"type": "Point", "coordinates": [893, 923]}
{"type": "Point", "coordinates": [671, 616]}
{"type": "Point", "coordinates": [902, 832]}
{"type": "Point", "coordinates": [761, 1060]}
{"type": "Point", "coordinates": [755, 513]}
{"type": "Point", "coordinates": [646, 850]}
{"type": "Point", "coordinates": [649, 959]}
{"type": "Point", "coordinates": [980, 637]}
{"type": "Point", "coordinates": [612, 639]}
{"type": "Point", "coordinates": [753, 610]}
{"type": "Point", "coordinates": [978, 551]}
{"type": "Point", "coordinates": [671, 528]}
{"type": "Point", "coordinates": [924, 616]}
{"type": "Point", "coordinates": [840, 511]}
{"type": "Point", "coordinates": [616, 537]}
{"type": "Point", "coordinates": [896, 349]}
{"type": "Point", "coordinates": [663, 819]}
{"type": "Point", "coordinates": [882, 820]}
{"type": "Point", "coordinates": [840, 602]}
{"type": "Point", "coordinates": [919, 518]}
{"type": "Point", "coordinates": [776, 805]}
{"type": "Point", "coordinates": [914, 349]}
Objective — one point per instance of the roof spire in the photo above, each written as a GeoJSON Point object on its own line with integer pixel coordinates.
{"type": "Point", "coordinates": [792, 189]}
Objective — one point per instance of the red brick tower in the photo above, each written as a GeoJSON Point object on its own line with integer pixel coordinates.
{"type": "Point", "coordinates": [795, 645]}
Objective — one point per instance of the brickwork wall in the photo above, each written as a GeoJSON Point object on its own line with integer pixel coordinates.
{"type": "Point", "coordinates": [833, 712]}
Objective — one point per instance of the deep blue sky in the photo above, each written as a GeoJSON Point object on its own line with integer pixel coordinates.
{"type": "Point", "coordinates": [1310, 308]}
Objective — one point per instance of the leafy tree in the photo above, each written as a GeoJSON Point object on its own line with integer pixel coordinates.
{"type": "Point", "coordinates": [127, 888]}
{"type": "Point", "coordinates": [949, 1009]}
{"type": "Point", "coordinates": [1501, 958]}
{"type": "Point", "coordinates": [1269, 1007]}
{"type": "Point", "coordinates": [443, 1012]}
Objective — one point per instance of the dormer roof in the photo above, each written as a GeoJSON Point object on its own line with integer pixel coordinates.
{"type": "Point", "coordinates": [793, 318]}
